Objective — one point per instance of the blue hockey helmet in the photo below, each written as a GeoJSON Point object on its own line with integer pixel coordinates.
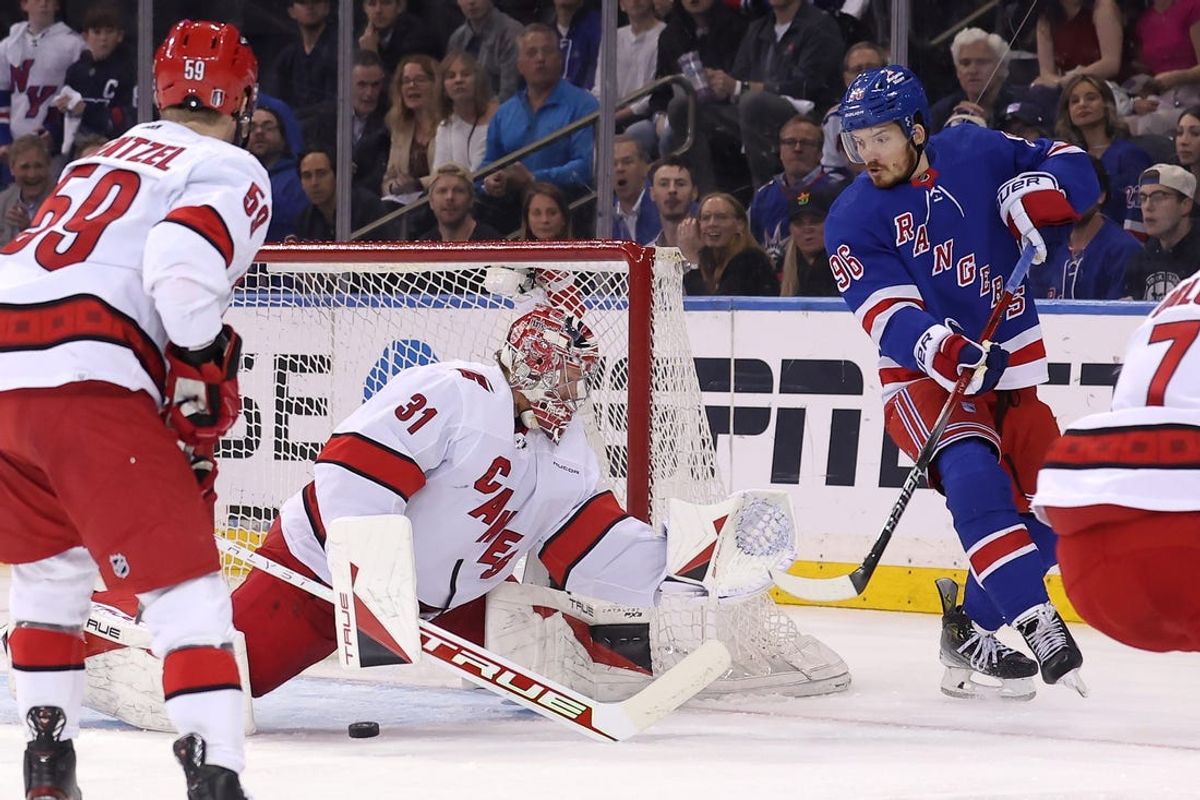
{"type": "Point", "coordinates": [889, 94]}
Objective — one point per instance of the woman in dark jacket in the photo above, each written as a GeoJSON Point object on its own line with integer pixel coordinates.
{"type": "Point", "coordinates": [728, 260]}
{"type": "Point", "coordinates": [708, 27]}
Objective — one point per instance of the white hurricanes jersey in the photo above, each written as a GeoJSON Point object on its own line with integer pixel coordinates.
{"type": "Point", "coordinates": [136, 246]}
{"type": "Point", "coordinates": [438, 445]}
{"type": "Point", "coordinates": [1145, 453]}
{"type": "Point", "coordinates": [33, 67]}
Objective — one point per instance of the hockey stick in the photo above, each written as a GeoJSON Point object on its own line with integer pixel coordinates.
{"type": "Point", "coordinates": [847, 587]}
{"type": "Point", "coordinates": [605, 722]}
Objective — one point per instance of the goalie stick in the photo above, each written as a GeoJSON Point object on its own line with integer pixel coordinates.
{"type": "Point", "coordinates": [606, 722]}
{"type": "Point", "coordinates": [847, 587]}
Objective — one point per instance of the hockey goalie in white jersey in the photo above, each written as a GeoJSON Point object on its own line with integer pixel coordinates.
{"type": "Point", "coordinates": [489, 462]}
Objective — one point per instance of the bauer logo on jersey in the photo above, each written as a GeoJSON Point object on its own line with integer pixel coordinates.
{"type": "Point", "coordinates": [120, 565]}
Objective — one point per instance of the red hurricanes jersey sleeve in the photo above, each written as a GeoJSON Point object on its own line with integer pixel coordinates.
{"type": "Point", "coordinates": [206, 241]}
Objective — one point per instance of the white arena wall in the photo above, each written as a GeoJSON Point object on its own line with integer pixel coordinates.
{"type": "Point", "coordinates": [797, 408]}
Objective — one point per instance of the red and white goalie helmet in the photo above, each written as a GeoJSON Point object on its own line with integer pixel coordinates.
{"type": "Point", "coordinates": [550, 357]}
{"type": "Point", "coordinates": [207, 65]}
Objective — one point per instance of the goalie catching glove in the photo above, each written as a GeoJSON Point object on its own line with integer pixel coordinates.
{"type": "Point", "coordinates": [1030, 201]}
{"type": "Point", "coordinates": [202, 389]}
{"type": "Point", "coordinates": [944, 354]}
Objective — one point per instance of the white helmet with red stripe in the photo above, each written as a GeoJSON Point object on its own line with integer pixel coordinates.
{"type": "Point", "coordinates": [549, 357]}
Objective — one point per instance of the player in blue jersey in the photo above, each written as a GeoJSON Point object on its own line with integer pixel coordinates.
{"type": "Point", "coordinates": [921, 255]}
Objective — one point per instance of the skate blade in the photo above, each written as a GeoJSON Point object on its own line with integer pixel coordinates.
{"type": "Point", "coordinates": [1075, 681]}
{"type": "Point", "coordinates": [963, 684]}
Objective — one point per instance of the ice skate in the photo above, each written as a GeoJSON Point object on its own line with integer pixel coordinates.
{"type": "Point", "coordinates": [49, 761]}
{"type": "Point", "coordinates": [1051, 642]}
{"type": "Point", "coordinates": [205, 781]}
{"type": "Point", "coordinates": [977, 663]}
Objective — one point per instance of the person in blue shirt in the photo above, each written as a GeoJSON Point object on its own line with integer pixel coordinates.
{"type": "Point", "coordinates": [920, 254]}
{"type": "Point", "coordinates": [801, 142]}
{"type": "Point", "coordinates": [635, 217]}
{"type": "Point", "coordinates": [1090, 265]}
{"type": "Point", "coordinates": [546, 104]}
{"type": "Point", "coordinates": [1087, 116]}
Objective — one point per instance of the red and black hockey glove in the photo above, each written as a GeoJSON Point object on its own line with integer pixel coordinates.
{"type": "Point", "coordinates": [1030, 201]}
{"type": "Point", "coordinates": [202, 389]}
{"type": "Point", "coordinates": [944, 354]}
{"type": "Point", "coordinates": [204, 467]}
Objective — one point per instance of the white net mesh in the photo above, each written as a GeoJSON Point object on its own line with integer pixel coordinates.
{"type": "Point", "coordinates": [769, 654]}
{"type": "Point", "coordinates": [325, 327]}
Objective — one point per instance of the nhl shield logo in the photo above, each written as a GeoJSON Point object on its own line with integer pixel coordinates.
{"type": "Point", "coordinates": [120, 565]}
{"type": "Point", "coordinates": [218, 97]}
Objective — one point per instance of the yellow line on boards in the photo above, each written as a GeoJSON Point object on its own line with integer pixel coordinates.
{"type": "Point", "coordinates": [904, 588]}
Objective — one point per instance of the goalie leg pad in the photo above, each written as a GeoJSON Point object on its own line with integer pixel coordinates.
{"type": "Point", "coordinates": [601, 648]}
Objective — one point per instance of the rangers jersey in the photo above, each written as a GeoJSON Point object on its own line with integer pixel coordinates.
{"type": "Point", "coordinates": [137, 245]}
{"type": "Point", "coordinates": [438, 444]}
{"type": "Point", "coordinates": [935, 250]}
{"type": "Point", "coordinates": [33, 67]}
{"type": "Point", "coordinates": [1145, 452]}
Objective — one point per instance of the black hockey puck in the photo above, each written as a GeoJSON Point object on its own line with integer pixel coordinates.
{"type": "Point", "coordinates": [363, 730]}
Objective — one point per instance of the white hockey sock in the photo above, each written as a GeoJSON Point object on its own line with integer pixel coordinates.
{"type": "Point", "coordinates": [61, 688]}
{"type": "Point", "coordinates": [216, 716]}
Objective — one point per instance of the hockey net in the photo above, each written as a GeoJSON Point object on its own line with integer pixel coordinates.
{"type": "Point", "coordinates": [325, 326]}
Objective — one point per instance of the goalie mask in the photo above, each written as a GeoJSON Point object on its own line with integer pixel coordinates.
{"type": "Point", "coordinates": [549, 357]}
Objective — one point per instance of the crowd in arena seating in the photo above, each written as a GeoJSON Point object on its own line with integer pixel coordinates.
{"type": "Point", "coordinates": [442, 90]}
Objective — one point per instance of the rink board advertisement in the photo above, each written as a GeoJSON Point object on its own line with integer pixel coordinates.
{"type": "Point", "coordinates": [797, 409]}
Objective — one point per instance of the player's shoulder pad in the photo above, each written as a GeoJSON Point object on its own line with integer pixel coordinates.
{"type": "Point", "coordinates": [848, 217]}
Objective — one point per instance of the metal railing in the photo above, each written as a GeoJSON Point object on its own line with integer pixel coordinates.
{"type": "Point", "coordinates": [566, 130]}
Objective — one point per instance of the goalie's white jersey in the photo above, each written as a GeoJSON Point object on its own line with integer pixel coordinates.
{"type": "Point", "coordinates": [1145, 453]}
{"type": "Point", "coordinates": [136, 246]}
{"type": "Point", "coordinates": [33, 68]}
{"type": "Point", "coordinates": [439, 444]}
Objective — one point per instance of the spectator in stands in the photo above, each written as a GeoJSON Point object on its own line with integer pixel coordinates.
{"type": "Point", "coordinates": [467, 108]}
{"type": "Point", "coordinates": [728, 260]}
{"type": "Point", "coordinates": [1087, 116]}
{"type": "Point", "coordinates": [451, 197]}
{"type": "Point", "coordinates": [412, 123]}
{"type": "Point", "coordinates": [545, 215]}
{"type": "Point", "coordinates": [981, 65]}
{"type": "Point", "coordinates": [637, 55]}
{"type": "Point", "coordinates": [578, 26]}
{"type": "Point", "coordinates": [29, 160]}
{"type": "Point", "coordinates": [392, 33]}
{"type": "Point", "coordinates": [635, 218]}
{"type": "Point", "coordinates": [711, 32]}
{"type": "Point", "coordinates": [801, 141]}
{"type": "Point", "coordinates": [1091, 264]}
{"type": "Point", "coordinates": [86, 144]}
{"type": "Point", "coordinates": [1168, 44]}
{"type": "Point", "coordinates": [787, 63]}
{"type": "Point", "coordinates": [804, 269]}
{"type": "Point", "coordinates": [305, 74]}
{"type": "Point", "coordinates": [674, 195]}
{"type": "Point", "coordinates": [1078, 37]}
{"type": "Point", "coordinates": [269, 144]}
{"type": "Point", "coordinates": [318, 178]}
{"type": "Point", "coordinates": [1187, 144]}
{"type": "Point", "coordinates": [491, 36]}
{"type": "Point", "coordinates": [859, 58]}
{"type": "Point", "coordinates": [40, 46]}
{"type": "Point", "coordinates": [1172, 253]}
{"type": "Point", "coordinates": [103, 78]}
{"type": "Point", "coordinates": [546, 104]}
{"type": "Point", "coordinates": [368, 131]}
{"type": "Point", "coordinates": [1025, 119]}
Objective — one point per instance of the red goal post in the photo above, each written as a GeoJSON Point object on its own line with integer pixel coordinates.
{"type": "Point", "coordinates": [326, 324]}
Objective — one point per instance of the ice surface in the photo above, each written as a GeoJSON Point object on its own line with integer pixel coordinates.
{"type": "Point", "coordinates": [893, 735]}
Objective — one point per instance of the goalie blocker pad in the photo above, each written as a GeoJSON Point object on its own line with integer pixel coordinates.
{"type": "Point", "coordinates": [374, 590]}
